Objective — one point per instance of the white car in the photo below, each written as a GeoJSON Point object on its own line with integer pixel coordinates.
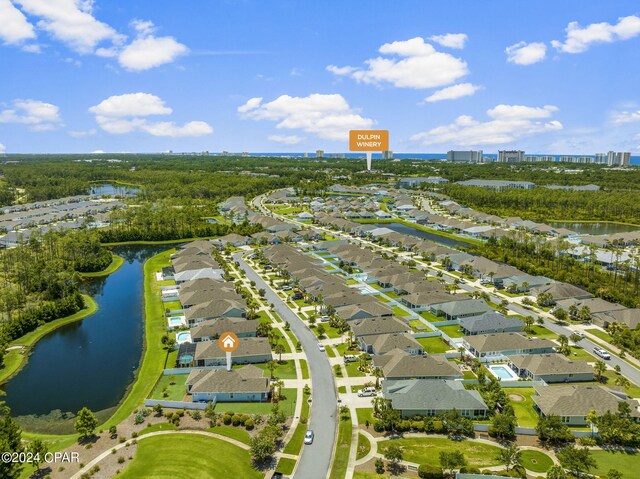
{"type": "Point", "coordinates": [308, 437]}
{"type": "Point", "coordinates": [603, 353]}
{"type": "Point", "coordinates": [321, 347]}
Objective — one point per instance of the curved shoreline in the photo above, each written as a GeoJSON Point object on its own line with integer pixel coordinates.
{"type": "Point", "coordinates": [29, 340]}
{"type": "Point", "coordinates": [116, 262]}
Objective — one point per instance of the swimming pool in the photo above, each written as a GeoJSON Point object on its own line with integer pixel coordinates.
{"type": "Point", "coordinates": [502, 371]}
{"type": "Point", "coordinates": [176, 321]}
{"type": "Point", "coordinates": [183, 337]}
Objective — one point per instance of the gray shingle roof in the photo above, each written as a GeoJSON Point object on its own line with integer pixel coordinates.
{"type": "Point", "coordinates": [400, 364]}
{"type": "Point", "coordinates": [246, 379]}
{"type": "Point", "coordinates": [491, 321]}
{"type": "Point", "coordinates": [579, 400]}
{"type": "Point", "coordinates": [547, 364]}
{"type": "Point", "coordinates": [438, 394]}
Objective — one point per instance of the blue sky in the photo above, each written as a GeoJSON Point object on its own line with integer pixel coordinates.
{"type": "Point", "coordinates": [148, 76]}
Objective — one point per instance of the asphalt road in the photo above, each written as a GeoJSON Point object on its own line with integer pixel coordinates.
{"type": "Point", "coordinates": [315, 460]}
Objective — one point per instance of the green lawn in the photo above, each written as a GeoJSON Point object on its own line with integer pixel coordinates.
{"type": "Point", "coordinates": [295, 443]}
{"type": "Point", "coordinates": [432, 318]}
{"type": "Point", "coordinates": [352, 370]}
{"type": "Point", "coordinates": [364, 415]}
{"type": "Point", "coordinates": [427, 450]}
{"type": "Point", "coordinates": [526, 415]}
{"type": "Point", "coordinates": [579, 353]}
{"type": "Point", "coordinates": [237, 433]}
{"type": "Point", "coordinates": [364, 446]}
{"type": "Point", "coordinates": [305, 369]}
{"type": "Point", "coordinates": [173, 456]}
{"type": "Point", "coordinates": [329, 331]}
{"type": "Point", "coordinates": [342, 389]}
{"type": "Point", "coordinates": [398, 311]}
{"type": "Point", "coordinates": [161, 426]}
{"type": "Point", "coordinates": [285, 370]}
{"type": "Point", "coordinates": [369, 475]}
{"type": "Point", "coordinates": [627, 463]}
{"type": "Point", "coordinates": [286, 466]}
{"type": "Point", "coordinates": [343, 446]}
{"type": "Point", "coordinates": [287, 405]}
{"type": "Point", "coordinates": [598, 333]}
{"type": "Point", "coordinates": [453, 331]}
{"type": "Point", "coordinates": [434, 345]}
{"type": "Point", "coordinates": [542, 332]}
{"type": "Point", "coordinates": [330, 351]}
{"type": "Point", "coordinates": [175, 391]}
{"type": "Point", "coordinates": [536, 461]}
{"type": "Point", "coordinates": [14, 360]}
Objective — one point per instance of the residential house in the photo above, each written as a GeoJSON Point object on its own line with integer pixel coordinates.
{"type": "Point", "coordinates": [244, 384]}
{"type": "Point", "coordinates": [212, 328]}
{"type": "Point", "coordinates": [453, 310]}
{"type": "Point", "coordinates": [398, 364]}
{"type": "Point", "coordinates": [491, 322]}
{"type": "Point", "coordinates": [488, 347]}
{"type": "Point", "coordinates": [572, 403]}
{"type": "Point", "coordinates": [551, 368]}
{"type": "Point", "coordinates": [433, 397]}
{"type": "Point", "coordinates": [384, 343]}
{"type": "Point", "coordinates": [226, 308]}
{"type": "Point", "coordinates": [249, 350]}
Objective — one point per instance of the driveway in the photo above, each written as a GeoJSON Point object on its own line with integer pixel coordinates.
{"type": "Point", "coordinates": [315, 460]}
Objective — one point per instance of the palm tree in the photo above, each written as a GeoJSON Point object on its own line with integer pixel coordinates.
{"type": "Point", "coordinates": [528, 321]}
{"type": "Point", "coordinates": [599, 368]}
{"type": "Point", "coordinates": [271, 366]}
{"type": "Point", "coordinates": [511, 456]}
{"type": "Point", "coordinates": [279, 349]}
{"type": "Point", "coordinates": [623, 382]}
{"type": "Point", "coordinates": [564, 345]}
{"type": "Point", "coordinates": [377, 372]}
{"type": "Point", "coordinates": [574, 337]}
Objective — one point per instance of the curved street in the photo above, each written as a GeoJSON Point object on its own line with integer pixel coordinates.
{"type": "Point", "coordinates": [315, 459]}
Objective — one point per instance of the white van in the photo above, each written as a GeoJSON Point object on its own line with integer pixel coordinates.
{"type": "Point", "coordinates": [367, 392]}
{"type": "Point", "coordinates": [350, 358]}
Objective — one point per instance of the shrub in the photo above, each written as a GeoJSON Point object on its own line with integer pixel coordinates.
{"type": "Point", "coordinates": [196, 415]}
{"type": "Point", "coordinates": [417, 426]}
{"type": "Point", "coordinates": [226, 419]}
{"type": "Point", "coordinates": [139, 419]}
{"type": "Point", "coordinates": [235, 420]}
{"type": "Point", "coordinates": [426, 471]}
{"type": "Point", "coordinates": [403, 425]}
{"type": "Point", "coordinates": [120, 460]}
{"type": "Point", "coordinates": [134, 434]}
{"type": "Point", "coordinates": [122, 439]}
{"type": "Point", "coordinates": [379, 466]}
{"type": "Point", "coordinates": [378, 426]}
{"type": "Point", "coordinates": [248, 424]}
{"type": "Point", "coordinates": [437, 427]}
{"type": "Point", "coordinates": [470, 470]}
{"type": "Point", "coordinates": [587, 441]}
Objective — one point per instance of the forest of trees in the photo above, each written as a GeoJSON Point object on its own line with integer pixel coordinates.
{"type": "Point", "coordinates": [40, 281]}
{"type": "Point", "coordinates": [538, 257]}
{"type": "Point", "coordinates": [542, 204]}
{"type": "Point", "coordinates": [162, 222]}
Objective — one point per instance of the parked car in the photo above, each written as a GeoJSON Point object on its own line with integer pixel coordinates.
{"type": "Point", "coordinates": [603, 353]}
{"type": "Point", "coordinates": [350, 358]}
{"type": "Point", "coordinates": [324, 319]}
{"type": "Point", "coordinates": [321, 347]}
{"type": "Point", "coordinates": [365, 393]}
{"type": "Point", "coordinates": [580, 334]}
{"type": "Point", "coordinates": [308, 437]}
{"type": "Point", "coordinates": [286, 287]}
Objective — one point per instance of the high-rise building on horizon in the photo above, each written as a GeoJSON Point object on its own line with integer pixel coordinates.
{"type": "Point", "coordinates": [466, 156]}
{"type": "Point", "coordinates": [387, 155]}
{"type": "Point", "coordinates": [319, 153]}
{"type": "Point", "coordinates": [510, 156]}
{"type": "Point", "coordinates": [618, 158]}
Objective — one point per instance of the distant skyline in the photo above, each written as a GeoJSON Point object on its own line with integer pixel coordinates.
{"type": "Point", "coordinates": [83, 76]}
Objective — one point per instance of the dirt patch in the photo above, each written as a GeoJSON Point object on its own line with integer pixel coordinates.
{"type": "Point", "coordinates": [516, 397]}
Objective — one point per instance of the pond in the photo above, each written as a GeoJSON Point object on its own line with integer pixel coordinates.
{"type": "Point", "coordinates": [594, 228]}
{"type": "Point", "coordinates": [408, 230]}
{"type": "Point", "coordinates": [88, 363]}
{"type": "Point", "coordinates": [113, 189]}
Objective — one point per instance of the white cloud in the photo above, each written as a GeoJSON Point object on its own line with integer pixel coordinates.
{"type": "Point", "coordinates": [120, 114]}
{"type": "Point", "coordinates": [450, 40]}
{"type": "Point", "coordinates": [419, 66]}
{"type": "Point", "coordinates": [626, 117]}
{"type": "Point", "coordinates": [3, 149]}
{"type": "Point", "coordinates": [327, 116]}
{"type": "Point", "coordinates": [71, 22]}
{"type": "Point", "coordinates": [131, 104]}
{"type": "Point", "coordinates": [250, 105]}
{"type": "Point", "coordinates": [98, 152]}
{"type": "Point", "coordinates": [453, 92]}
{"type": "Point", "coordinates": [148, 51]}
{"type": "Point", "coordinates": [579, 39]}
{"type": "Point", "coordinates": [14, 27]}
{"type": "Point", "coordinates": [286, 139]}
{"type": "Point", "coordinates": [83, 133]}
{"type": "Point", "coordinates": [508, 123]}
{"type": "Point", "coordinates": [40, 116]}
{"type": "Point", "coordinates": [524, 53]}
